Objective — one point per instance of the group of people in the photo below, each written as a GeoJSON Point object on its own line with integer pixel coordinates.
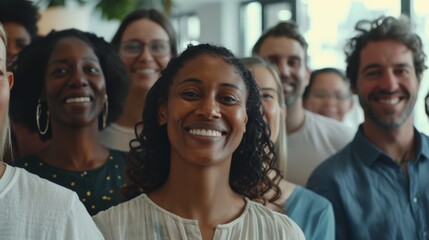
{"type": "Point", "coordinates": [157, 144]}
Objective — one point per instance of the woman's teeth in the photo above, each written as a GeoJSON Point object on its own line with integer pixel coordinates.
{"type": "Point", "coordinates": [146, 71]}
{"type": "Point", "coordinates": [204, 132]}
{"type": "Point", "coordinates": [78, 100]}
{"type": "Point", "coordinates": [391, 101]}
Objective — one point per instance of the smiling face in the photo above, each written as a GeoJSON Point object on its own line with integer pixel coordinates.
{"type": "Point", "coordinates": [270, 99]}
{"type": "Point", "coordinates": [289, 57]}
{"type": "Point", "coordinates": [387, 84]}
{"type": "Point", "coordinates": [329, 96]}
{"type": "Point", "coordinates": [74, 83]}
{"type": "Point", "coordinates": [205, 112]}
{"type": "Point", "coordinates": [144, 69]}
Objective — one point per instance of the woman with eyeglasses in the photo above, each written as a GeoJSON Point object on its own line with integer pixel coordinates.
{"type": "Point", "coordinates": [328, 93]}
{"type": "Point", "coordinates": [146, 42]}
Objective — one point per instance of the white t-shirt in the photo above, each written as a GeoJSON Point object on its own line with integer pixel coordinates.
{"type": "Point", "coordinates": [140, 218]}
{"type": "Point", "coordinates": [355, 116]}
{"type": "Point", "coordinates": [117, 137]}
{"type": "Point", "coordinates": [319, 138]}
{"type": "Point", "coordinates": [34, 208]}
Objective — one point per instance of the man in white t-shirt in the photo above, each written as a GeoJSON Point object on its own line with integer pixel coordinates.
{"type": "Point", "coordinates": [311, 137]}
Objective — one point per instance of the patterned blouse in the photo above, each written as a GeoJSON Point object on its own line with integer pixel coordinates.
{"type": "Point", "coordinates": [98, 189]}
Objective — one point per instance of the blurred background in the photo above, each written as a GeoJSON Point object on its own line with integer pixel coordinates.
{"type": "Point", "coordinates": [236, 24]}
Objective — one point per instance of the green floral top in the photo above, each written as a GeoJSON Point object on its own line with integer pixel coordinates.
{"type": "Point", "coordinates": [98, 189]}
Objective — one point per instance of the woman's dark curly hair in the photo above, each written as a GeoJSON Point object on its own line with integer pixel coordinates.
{"type": "Point", "coordinates": [149, 157]}
{"type": "Point", "coordinates": [153, 15]}
{"type": "Point", "coordinates": [383, 28]}
{"type": "Point", "coordinates": [22, 12]}
{"type": "Point", "coordinates": [30, 77]}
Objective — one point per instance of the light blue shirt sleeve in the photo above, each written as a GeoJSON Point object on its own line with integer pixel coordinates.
{"type": "Point", "coordinates": [313, 214]}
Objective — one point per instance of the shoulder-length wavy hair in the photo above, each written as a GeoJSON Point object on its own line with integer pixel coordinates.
{"type": "Point", "coordinates": [149, 157]}
{"type": "Point", "coordinates": [30, 77]}
{"type": "Point", "coordinates": [5, 141]}
{"type": "Point", "coordinates": [280, 146]}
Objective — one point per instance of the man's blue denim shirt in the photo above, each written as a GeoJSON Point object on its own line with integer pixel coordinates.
{"type": "Point", "coordinates": [372, 196]}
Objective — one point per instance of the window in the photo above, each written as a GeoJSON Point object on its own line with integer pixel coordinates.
{"type": "Point", "coordinates": [187, 27]}
{"type": "Point", "coordinates": [326, 25]}
{"type": "Point", "coordinates": [257, 16]}
{"type": "Point", "coordinates": [251, 18]}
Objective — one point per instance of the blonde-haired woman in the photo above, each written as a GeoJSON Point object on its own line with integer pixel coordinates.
{"type": "Point", "coordinates": [30, 207]}
{"type": "Point", "coordinates": [313, 213]}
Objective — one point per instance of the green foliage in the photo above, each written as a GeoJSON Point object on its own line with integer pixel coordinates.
{"type": "Point", "coordinates": [117, 9]}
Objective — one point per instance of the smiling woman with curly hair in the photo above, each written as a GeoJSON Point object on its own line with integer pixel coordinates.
{"type": "Point", "coordinates": [202, 155]}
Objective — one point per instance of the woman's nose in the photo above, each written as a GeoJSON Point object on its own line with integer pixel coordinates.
{"type": "Point", "coordinates": [78, 79]}
{"type": "Point", "coordinates": [209, 108]}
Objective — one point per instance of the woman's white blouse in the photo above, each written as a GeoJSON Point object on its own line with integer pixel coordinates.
{"type": "Point", "coordinates": [140, 218]}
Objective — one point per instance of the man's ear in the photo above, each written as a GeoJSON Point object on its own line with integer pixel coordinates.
{"type": "Point", "coordinates": [11, 79]}
{"type": "Point", "coordinates": [162, 114]}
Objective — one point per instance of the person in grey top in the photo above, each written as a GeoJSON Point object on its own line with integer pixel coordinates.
{"type": "Point", "coordinates": [311, 137]}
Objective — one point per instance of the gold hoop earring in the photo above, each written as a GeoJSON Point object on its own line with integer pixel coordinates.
{"type": "Point", "coordinates": [38, 114]}
{"type": "Point", "coordinates": [106, 110]}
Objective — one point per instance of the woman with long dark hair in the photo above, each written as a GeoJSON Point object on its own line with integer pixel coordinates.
{"type": "Point", "coordinates": [202, 153]}
{"type": "Point", "coordinates": [145, 41]}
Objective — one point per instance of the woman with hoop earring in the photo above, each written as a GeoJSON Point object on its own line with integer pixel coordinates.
{"type": "Point", "coordinates": [72, 91]}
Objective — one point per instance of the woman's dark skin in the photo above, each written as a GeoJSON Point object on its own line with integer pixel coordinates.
{"type": "Point", "coordinates": [74, 73]}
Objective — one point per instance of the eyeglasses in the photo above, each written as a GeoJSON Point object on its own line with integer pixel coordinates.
{"type": "Point", "coordinates": [133, 48]}
{"type": "Point", "coordinates": [340, 97]}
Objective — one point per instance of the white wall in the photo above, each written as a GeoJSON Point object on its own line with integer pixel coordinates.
{"type": "Point", "coordinates": [84, 18]}
{"type": "Point", "coordinates": [101, 26]}
{"type": "Point", "coordinates": [219, 20]}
